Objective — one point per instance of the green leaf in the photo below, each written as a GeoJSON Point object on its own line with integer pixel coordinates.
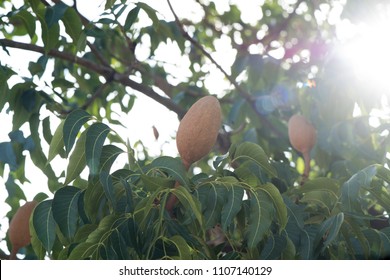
{"type": "Point", "coordinates": [385, 237]}
{"type": "Point", "coordinates": [274, 247]}
{"type": "Point", "coordinates": [119, 245]}
{"type": "Point", "coordinates": [36, 244]}
{"type": "Point", "coordinates": [232, 205]}
{"type": "Point", "coordinates": [289, 251]}
{"type": "Point", "coordinates": [131, 18]}
{"type": "Point", "coordinates": [5, 74]}
{"type": "Point", "coordinates": [104, 226]}
{"type": "Point", "coordinates": [182, 247]}
{"type": "Point", "coordinates": [83, 251]}
{"type": "Point", "coordinates": [173, 166]}
{"type": "Point", "coordinates": [77, 161]}
{"type": "Point", "coordinates": [65, 210]}
{"type": "Point", "coordinates": [36, 4]}
{"type": "Point", "coordinates": [83, 232]}
{"type": "Point", "coordinates": [129, 196]}
{"type": "Point", "coordinates": [152, 184]}
{"type": "Point", "coordinates": [212, 196]}
{"type": "Point", "coordinates": [57, 143]}
{"type": "Point", "coordinates": [50, 36]}
{"type": "Point", "coordinates": [306, 247]}
{"type": "Point", "coordinates": [330, 228]}
{"type": "Point", "coordinates": [96, 135]}
{"type": "Point", "coordinates": [72, 125]}
{"type": "Point", "coordinates": [28, 20]}
{"type": "Point", "coordinates": [108, 156]}
{"type": "Point", "coordinates": [350, 199]}
{"type": "Point", "coordinates": [188, 201]}
{"type": "Point", "coordinates": [39, 158]}
{"type": "Point", "coordinates": [54, 13]}
{"type": "Point", "coordinates": [93, 199]}
{"type": "Point", "coordinates": [382, 172]}
{"type": "Point", "coordinates": [46, 130]}
{"type": "Point", "coordinates": [321, 184]}
{"type": "Point", "coordinates": [109, 4]}
{"type": "Point", "coordinates": [108, 187]}
{"type": "Point", "coordinates": [275, 196]}
{"type": "Point", "coordinates": [322, 200]}
{"type": "Point", "coordinates": [253, 152]}
{"type": "Point", "coordinates": [152, 13]}
{"type": "Point", "coordinates": [73, 24]}
{"type": "Point", "coordinates": [44, 224]}
{"type": "Point", "coordinates": [260, 217]}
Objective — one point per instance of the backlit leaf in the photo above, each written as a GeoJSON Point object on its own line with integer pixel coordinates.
{"type": "Point", "coordinates": [77, 161]}
{"type": "Point", "coordinates": [274, 247]}
{"type": "Point", "coordinates": [182, 247]}
{"type": "Point", "coordinates": [65, 210]}
{"type": "Point", "coordinates": [108, 156]}
{"type": "Point", "coordinates": [131, 18]}
{"type": "Point", "coordinates": [28, 21]}
{"type": "Point", "coordinates": [188, 201]}
{"type": "Point", "coordinates": [154, 183]}
{"type": "Point", "coordinates": [350, 198]}
{"type": "Point", "coordinates": [232, 205]}
{"type": "Point", "coordinates": [329, 229]}
{"type": "Point", "coordinates": [57, 143]}
{"type": "Point", "coordinates": [278, 202]}
{"type": "Point", "coordinates": [72, 125]}
{"type": "Point", "coordinates": [173, 166]}
{"type": "Point", "coordinates": [260, 217]}
{"type": "Point", "coordinates": [96, 135]}
{"type": "Point", "coordinates": [44, 224]}
{"type": "Point", "coordinates": [108, 187]}
{"type": "Point", "coordinates": [73, 24]}
{"type": "Point", "coordinates": [152, 13]}
{"type": "Point", "coordinates": [83, 251]}
{"type": "Point", "coordinates": [253, 152]}
{"type": "Point", "coordinates": [54, 13]}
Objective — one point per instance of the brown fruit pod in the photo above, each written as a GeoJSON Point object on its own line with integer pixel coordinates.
{"type": "Point", "coordinates": [19, 228]}
{"type": "Point", "coordinates": [198, 130]}
{"type": "Point", "coordinates": [197, 134]}
{"type": "Point", "coordinates": [303, 137]}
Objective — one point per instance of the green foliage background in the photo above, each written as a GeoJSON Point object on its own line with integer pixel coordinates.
{"type": "Point", "coordinates": [247, 202]}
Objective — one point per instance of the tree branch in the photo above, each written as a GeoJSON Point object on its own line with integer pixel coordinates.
{"type": "Point", "coordinates": [97, 93]}
{"type": "Point", "coordinates": [102, 70]}
{"type": "Point", "coordinates": [107, 72]}
{"type": "Point", "coordinates": [168, 103]}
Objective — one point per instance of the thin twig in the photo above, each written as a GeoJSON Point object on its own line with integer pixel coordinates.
{"type": "Point", "coordinates": [242, 92]}
{"type": "Point", "coordinates": [97, 94]}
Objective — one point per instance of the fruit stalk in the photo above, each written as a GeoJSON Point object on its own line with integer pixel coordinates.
{"type": "Point", "coordinates": [306, 171]}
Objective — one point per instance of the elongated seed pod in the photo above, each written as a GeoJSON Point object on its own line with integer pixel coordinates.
{"type": "Point", "coordinates": [198, 130]}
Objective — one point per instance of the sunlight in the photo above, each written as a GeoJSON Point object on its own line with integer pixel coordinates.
{"type": "Point", "coordinates": [368, 53]}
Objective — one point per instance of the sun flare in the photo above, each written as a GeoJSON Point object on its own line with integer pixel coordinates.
{"type": "Point", "coordinates": [368, 54]}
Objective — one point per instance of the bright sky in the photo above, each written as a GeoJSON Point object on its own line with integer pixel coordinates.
{"type": "Point", "coordinates": [139, 120]}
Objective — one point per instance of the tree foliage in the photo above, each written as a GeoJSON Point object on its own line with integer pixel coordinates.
{"type": "Point", "coordinates": [247, 200]}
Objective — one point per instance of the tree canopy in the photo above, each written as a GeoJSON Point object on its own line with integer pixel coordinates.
{"type": "Point", "coordinates": [265, 61]}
